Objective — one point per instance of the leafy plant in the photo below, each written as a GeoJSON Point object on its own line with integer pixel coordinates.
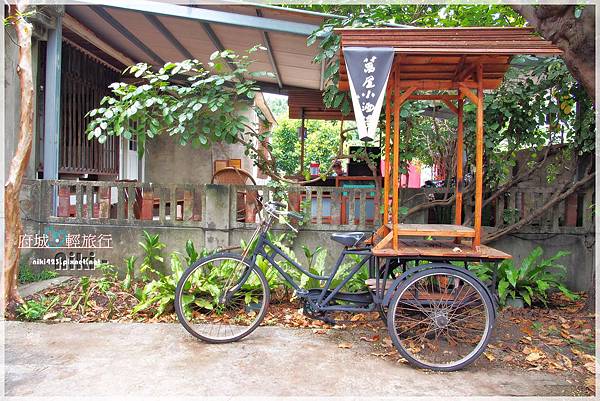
{"type": "Point", "coordinates": [160, 293]}
{"type": "Point", "coordinates": [316, 265]}
{"type": "Point", "coordinates": [533, 279]}
{"type": "Point", "coordinates": [130, 274]}
{"type": "Point", "coordinates": [35, 310]}
{"type": "Point", "coordinates": [192, 254]}
{"type": "Point", "coordinates": [27, 275]}
{"type": "Point", "coordinates": [483, 271]}
{"type": "Point", "coordinates": [153, 259]}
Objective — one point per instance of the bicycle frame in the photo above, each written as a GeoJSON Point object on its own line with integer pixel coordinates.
{"type": "Point", "coordinates": [325, 294]}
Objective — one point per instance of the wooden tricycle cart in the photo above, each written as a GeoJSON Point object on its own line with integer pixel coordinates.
{"type": "Point", "coordinates": [449, 65]}
{"type": "Point", "coordinates": [439, 314]}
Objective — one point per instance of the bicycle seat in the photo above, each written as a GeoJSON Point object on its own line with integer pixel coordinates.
{"type": "Point", "coordinates": [349, 239]}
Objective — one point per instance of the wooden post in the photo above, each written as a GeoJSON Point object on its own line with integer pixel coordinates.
{"type": "Point", "coordinates": [396, 165]}
{"type": "Point", "coordinates": [459, 167]}
{"type": "Point", "coordinates": [479, 157]}
{"type": "Point", "coordinates": [386, 178]}
{"type": "Point", "coordinates": [302, 143]}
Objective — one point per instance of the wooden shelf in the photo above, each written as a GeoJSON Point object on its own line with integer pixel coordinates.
{"type": "Point", "coordinates": [434, 230]}
{"type": "Point", "coordinates": [439, 249]}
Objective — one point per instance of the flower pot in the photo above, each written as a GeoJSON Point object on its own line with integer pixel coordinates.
{"type": "Point", "coordinates": [515, 302]}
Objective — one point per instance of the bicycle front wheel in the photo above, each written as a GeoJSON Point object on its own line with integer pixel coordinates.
{"type": "Point", "coordinates": [440, 319]}
{"type": "Point", "coordinates": [221, 298]}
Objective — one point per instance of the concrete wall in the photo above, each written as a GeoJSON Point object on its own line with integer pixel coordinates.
{"type": "Point", "coordinates": [580, 263]}
{"type": "Point", "coordinates": [219, 228]}
{"type": "Point", "coordinates": [169, 162]}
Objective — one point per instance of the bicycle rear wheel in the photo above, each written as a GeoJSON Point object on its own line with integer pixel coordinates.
{"type": "Point", "coordinates": [440, 319]}
{"type": "Point", "coordinates": [221, 298]}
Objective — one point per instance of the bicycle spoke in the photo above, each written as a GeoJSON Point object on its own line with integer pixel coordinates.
{"type": "Point", "coordinates": [451, 330]}
{"type": "Point", "coordinates": [217, 313]}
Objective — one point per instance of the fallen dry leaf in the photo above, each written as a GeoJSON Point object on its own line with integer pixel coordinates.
{"type": "Point", "coordinates": [489, 356]}
{"type": "Point", "coordinates": [591, 367]}
{"type": "Point", "coordinates": [590, 383]}
{"type": "Point", "coordinates": [358, 316]}
{"type": "Point", "coordinates": [534, 356]}
{"type": "Point", "coordinates": [565, 361]}
{"type": "Point", "coordinates": [345, 345]}
{"type": "Point", "coordinates": [50, 315]}
{"type": "Point", "coordinates": [527, 330]}
{"type": "Point", "coordinates": [370, 339]}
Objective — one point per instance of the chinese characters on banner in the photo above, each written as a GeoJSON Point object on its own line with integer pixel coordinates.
{"type": "Point", "coordinates": [368, 71]}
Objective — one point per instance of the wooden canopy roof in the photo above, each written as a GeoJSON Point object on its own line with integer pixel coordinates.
{"type": "Point", "coordinates": [439, 58]}
{"type": "Point", "coordinates": [308, 103]}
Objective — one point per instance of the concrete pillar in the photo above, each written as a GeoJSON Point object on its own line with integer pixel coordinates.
{"type": "Point", "coordinates": [217, 214]}
{"type": "Point", "coordinates": [52, 104]}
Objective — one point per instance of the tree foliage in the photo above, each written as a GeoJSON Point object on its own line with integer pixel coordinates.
{"type": "Point", "coordinates": [321, 144]}
{"type": "Point", "coordinates": [539, 102]}
{"type": "Point", "coordinates": [196, 103]}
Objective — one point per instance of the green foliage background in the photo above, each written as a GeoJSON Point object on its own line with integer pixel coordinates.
{"type": "Point", "coordinates": [321, 145]}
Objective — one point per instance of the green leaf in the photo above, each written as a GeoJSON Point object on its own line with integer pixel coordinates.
{"type": "Point", "coordinates": [502, 287]}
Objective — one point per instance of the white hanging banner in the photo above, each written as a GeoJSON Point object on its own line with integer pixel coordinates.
{"type": "Point", "coordinates": [368, 70]}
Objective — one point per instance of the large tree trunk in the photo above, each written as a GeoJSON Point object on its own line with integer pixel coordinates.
{"type": "Point", "coordinates": [12, 188]}
{"type": "Point", "coordinates": [574, 36]}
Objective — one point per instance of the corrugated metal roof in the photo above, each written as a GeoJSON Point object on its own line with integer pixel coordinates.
{"type": "Point", "coordinates": [174, 38]}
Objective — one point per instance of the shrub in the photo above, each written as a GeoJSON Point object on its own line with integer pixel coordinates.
{"type": "Point", "coordinates": [35, 310]}
{"type": "Point", "coordinates": [27, 275]}
{"type": "Point", "coordinates": [533, 280]}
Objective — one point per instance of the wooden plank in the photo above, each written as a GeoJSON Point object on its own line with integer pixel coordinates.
{"type": "Point", "coordinates": [104, 202]}
{"type": "Point", "coordinates": [434, 230]}
{"type": "Point", "coordinates": [441, 249]}
{"type": "Point", "coordinates": [396, 165]}
{"type": "Point", "coordinates": [80, 30]}
{"type": "Point", "coordinates": [450, 105]}
{"type": "Point", "coordinates": [405, 95]}
{"type": "Point", "coordinates": [459, 165]}
{"type": "Point", "coordinates": [478, 159]}
{"type": "Point", "coordinates": [386, 178]}
{"type": "Point", "coordinates": [424, 84]}
{"type": "Point", "coordinates": [468, 93]}
{"type": "Point", "coordinates": [385, 241]}
{"type": "Point", "coordinates": [433, 97]}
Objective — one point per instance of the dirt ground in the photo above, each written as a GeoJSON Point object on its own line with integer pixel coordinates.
{"type": "Point", "coordinates": [558, 341]}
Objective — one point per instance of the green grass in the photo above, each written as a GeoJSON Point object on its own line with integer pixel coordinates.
{"type": "Point", "coordinates": [27, 275]}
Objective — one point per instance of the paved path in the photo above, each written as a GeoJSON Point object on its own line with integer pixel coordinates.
{"type": "Point", "coordinates": [162, 359]}
{"type": "Point", "coordinates": [28, 289]}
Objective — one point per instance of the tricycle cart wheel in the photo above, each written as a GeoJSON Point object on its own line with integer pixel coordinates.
{"type": "Point", "coordinates": [440, 319]}
{"type": "Point", "coordinates": [221, 298]}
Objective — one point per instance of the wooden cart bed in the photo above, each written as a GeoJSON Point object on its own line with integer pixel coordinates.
{"type": "Point", "coordinates": [440, 249]}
